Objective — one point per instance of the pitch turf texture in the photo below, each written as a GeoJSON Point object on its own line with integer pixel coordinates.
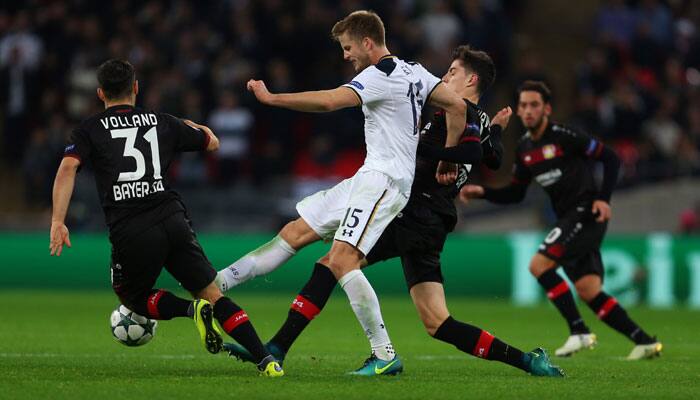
{"type": "Point", "coordinates": [57, 345]}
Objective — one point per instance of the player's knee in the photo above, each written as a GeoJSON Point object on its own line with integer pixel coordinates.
{"type": "Point", "coordinates": [343, 259]}
{"type": "Point", "coordinates": [586, 290]}
{"type": "Point", "coordinates": [290, 233]}
{"type": "Point", "coordinates": [298, 234]}
{"type": "Point", "coordinates": [536, 268]}
{"type": "Point", "coordinates": [211, 293]}
{"type": "Point", "coordinates": [339, 266]}
{"type": "Point", "coordinates": [540, 264]}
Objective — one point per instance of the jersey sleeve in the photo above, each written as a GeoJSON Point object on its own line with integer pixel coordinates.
{"type": "Point", "coordinates": [521, 174]}
{"type": "Point", "coordinates": [429, 82]}
{"type": "Point", "coordinates": [186, 137]}
{"type": "Point", "coordinates": [78, 145]}
{"type": "Point", "coordinates": [472, 128]}
{"type": "Point", "coordinates": [579, 143]}
{"type": "Point", "coordinates": [370, 85]}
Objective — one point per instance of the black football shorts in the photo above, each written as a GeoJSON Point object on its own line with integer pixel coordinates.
{"type": "Point", "coordinates": [170, 244]}
{"type": "Point", "coordinates": [574, 243]}
{"type": "Point", "coordinates": [417, 235]}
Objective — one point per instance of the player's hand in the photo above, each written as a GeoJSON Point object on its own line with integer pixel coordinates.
{"type": "Point", "coordinates": [446, 173]}
{"type": "Point", "coordinates": [602, 210]}
{"type": "Point", "coordinates": [259, 90]}
{"type": "Point", "coordinates": [469, 192]}
{"type": "Point", "coordinates": [502, 117]}
{"type": "Point", "coordinates": [59, 237]}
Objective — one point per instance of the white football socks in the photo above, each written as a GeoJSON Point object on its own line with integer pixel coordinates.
{"type": "Point", "coordinates": [260, 261]}
{"type": "Point", "coordinates": [365, 304]}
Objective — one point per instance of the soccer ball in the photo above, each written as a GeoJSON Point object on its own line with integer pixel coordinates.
{"type": "Point", "coordinates": [131, 329]}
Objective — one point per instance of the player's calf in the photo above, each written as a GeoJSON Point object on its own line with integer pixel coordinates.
{"type": "Point", "coordinates": [234, 321]}
{"type": "Point", "coordinates": [481, 344]}
{"type": "Point", "coordinates": [309, 303]}
{"type": "Point", "coordinates": [559, 293]}
{"type": "Point", "coordinates": [159, 304]}
{"type": "Point", "coordinates": [611, 312]}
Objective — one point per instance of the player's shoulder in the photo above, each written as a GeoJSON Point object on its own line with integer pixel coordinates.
{"type": "Point", "coordinates": [477, 114]}
{"type": "Point", "coordinates": [524, 142]}
{"type": "Point", "coordinates": [390, 64]}
{"type": "Point", "coordinates": [565, 130]}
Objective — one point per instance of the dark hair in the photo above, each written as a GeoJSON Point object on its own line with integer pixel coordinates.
{"type": "Point", "coordinates": [478, 62]}
{"type": "Point", "coordinates": [536, 86]}
{"type": "Point", "coordinates": [116, 78]}
{"type": "Point", "coordinates": [361, 24]}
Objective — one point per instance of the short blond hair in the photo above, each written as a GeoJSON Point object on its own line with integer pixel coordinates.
{"type": "Point", "coordinates": [359, 25]}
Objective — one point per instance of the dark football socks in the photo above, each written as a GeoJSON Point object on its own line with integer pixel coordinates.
{"type": "Point", "coordinates": [310, 301]}
{"type": "Point", "coordinates": [479, 343]}
{"type": "Point", "coordinates": [235, 322]}
{"type": "Point", "coordinates": [558, 292]}
{"type": "Point", "coordinates": [610, 312]}
{"type": "Point", "coordinates": [163, 305]}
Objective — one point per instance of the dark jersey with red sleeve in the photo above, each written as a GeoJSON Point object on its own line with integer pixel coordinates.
{"type": "Point", "coordinates": [130, 150]}
{"type": "Point", "coordinates": [561, 162]}
{"type": "Point", "coordinates": [426, 190]}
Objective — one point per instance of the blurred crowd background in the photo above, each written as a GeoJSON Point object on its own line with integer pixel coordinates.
{"type": "Point", "coordinates": [633, 80]}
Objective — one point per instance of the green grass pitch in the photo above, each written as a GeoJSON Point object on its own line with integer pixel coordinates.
{"type": "Point", "coordinates": [57, 345]}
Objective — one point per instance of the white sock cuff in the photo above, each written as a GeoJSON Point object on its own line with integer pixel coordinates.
{"type": "Point", "coordinates": [349, 276]}
{"type": "Point", "coordinates": [284, 245]}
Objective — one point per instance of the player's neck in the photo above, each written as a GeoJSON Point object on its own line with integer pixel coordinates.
{"type": "Point", "coordinates": [377, 54]}
{"type": "Point", "coordinates": [120, 102]}
{"type": "Point", "coordinates": [472, 97]}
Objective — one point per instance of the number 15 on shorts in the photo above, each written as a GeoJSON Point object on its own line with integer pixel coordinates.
{"type": "Point", "coordinates": [350, 222]}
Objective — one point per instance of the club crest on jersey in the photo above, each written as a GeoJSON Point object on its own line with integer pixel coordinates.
{"type": "Point", "coordinates": [357, 85]}
{"type": "Point", "coordinates": [549, 151]}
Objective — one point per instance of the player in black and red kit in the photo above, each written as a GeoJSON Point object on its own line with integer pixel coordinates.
{"type": "Point", "coordinates": [130, 150]}
{"type": "Point", "coordinates": [418, 234]}
{"type": "Point", "coordinates": [560, 158]}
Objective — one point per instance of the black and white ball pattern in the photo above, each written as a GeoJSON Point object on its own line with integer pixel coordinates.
{"type": "Point", "coordinates": [131, 329]}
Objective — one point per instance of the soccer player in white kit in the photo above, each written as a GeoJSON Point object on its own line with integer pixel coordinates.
{"type": "Point", "coordinates": [355, 212]}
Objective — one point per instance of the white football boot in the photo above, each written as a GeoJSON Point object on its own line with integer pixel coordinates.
{"type": "Point", "coordinates": [643, 351]}
{"type": "Point", "coordinates": [575, 343]}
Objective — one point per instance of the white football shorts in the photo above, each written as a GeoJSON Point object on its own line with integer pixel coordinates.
{"type": "Point", "coordinates": [355, 211]}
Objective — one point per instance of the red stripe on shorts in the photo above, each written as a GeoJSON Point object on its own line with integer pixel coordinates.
{"type": "Point", "coordinates": [483, 345]}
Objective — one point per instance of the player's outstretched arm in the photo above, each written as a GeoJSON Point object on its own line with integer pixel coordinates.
{"type": "Point", "coordinates": [213, 143]}
{"type": "Point", "coordinates": [62, 192]}
{"type": "Point", "coordinates": [455, 112]}
{"type": "Point", "coordinates": [316, 101]}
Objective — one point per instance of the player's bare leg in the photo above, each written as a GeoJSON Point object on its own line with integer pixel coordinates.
{"type": "Point", "coordinates": [345, 261]}
{"type": "Point", "coordinates": [293, 237]}
{"type": "Point", "coordinates": [558, 292]}
{"type": "Point", "coordinates": [606, 307]}
{"type": "Point", "coordinates": [212, 304]}
{"type": "Point", "coordinates": [429, 299]}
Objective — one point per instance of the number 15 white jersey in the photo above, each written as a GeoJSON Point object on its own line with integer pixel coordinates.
{"type": "Point", "coordinates": [393, 93]}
